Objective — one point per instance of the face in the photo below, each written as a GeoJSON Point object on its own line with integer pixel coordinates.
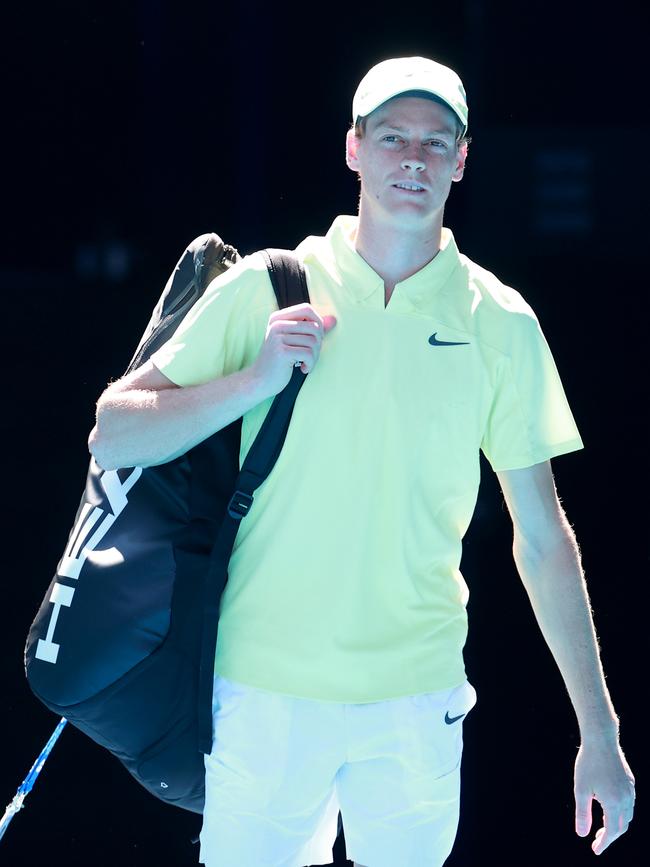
{"type": "Point", "coordinates": [408, 141]}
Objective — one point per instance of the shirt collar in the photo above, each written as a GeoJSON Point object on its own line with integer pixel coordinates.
{"type": "Point", "coordinates": [362, 281]}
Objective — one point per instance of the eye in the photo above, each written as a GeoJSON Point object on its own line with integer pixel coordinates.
{"type": "Point", "coordinates": [391, 139]}
{"type": "Point", "coordinates": [437, 143]}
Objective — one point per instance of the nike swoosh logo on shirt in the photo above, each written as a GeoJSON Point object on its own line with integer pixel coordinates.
{"type": "Point", "coordinates": [452, 719]}
{"type": "Point", "coordinates": [433, 340]}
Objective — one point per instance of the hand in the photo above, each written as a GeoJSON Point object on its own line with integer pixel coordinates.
{"type": "Point", "coordinates": [293, 336]}
{"type": "Point", "coordinates": [602, 773]}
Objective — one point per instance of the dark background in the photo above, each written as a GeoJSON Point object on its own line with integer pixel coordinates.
{"type": "Point", "coordinates": [131, 127]}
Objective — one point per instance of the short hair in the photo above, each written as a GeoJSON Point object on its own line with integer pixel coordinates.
{"type": "Point", "coordinates": [359, 125]}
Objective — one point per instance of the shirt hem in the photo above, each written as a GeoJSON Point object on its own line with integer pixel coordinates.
{"type": "Point", "coordinates": [538, 458]}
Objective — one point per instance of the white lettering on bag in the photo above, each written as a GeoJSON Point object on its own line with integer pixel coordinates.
{"type": "Point", "coordinates": [46, 649]}
{"type": "Point", "coordinates": [76, 553]}
{"type": "Point", "coordinates": [80, 545]}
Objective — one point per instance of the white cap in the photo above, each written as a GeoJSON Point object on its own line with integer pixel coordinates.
{"type": "Point", "coordinates": [392, 77]}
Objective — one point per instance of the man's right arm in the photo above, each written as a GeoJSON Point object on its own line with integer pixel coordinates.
{"type": "Point", "coordinates": [145, 419]}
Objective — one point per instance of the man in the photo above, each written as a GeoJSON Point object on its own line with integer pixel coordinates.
{"type": "Point", "coordinates": [339, 678]}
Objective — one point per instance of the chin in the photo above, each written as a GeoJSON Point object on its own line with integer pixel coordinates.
{"type": "Point", "coordinates": [403, 214]}
{"type": "Point", "coordinates": [416, 217]}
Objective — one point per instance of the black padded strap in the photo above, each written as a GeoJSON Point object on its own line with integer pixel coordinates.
{"type": "Point", "coordinates": [288, 277]}
{"type": "Point", "coordinates": [290, 285]}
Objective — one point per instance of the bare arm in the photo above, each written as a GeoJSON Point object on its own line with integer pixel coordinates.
{"type": "Point", "coordinates": [548, 561]}
{"type": "Point", "coordinates": [144, 419]}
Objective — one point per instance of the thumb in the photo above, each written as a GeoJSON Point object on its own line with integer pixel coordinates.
{"type": "Point", "coordinates": [328, 322]}
{"type": "Point", "coordinates": [583, 813]}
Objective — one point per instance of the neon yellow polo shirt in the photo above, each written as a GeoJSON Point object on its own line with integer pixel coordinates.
{"type": "Point", "coordinates": [344, 583]}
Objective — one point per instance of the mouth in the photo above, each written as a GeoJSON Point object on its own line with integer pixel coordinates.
{"type": "Point", "coordinates": [409, 187]}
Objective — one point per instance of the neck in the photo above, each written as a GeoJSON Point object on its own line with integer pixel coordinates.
{"type": "Point", "coordinates": [395, 252]}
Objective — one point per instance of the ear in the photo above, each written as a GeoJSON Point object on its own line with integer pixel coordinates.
{"type": "Point", "coordinates": [460, 162]}
{"type": "Point", "coordinates": [351, 145]}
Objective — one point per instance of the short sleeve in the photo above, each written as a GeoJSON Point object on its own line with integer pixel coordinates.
{"type": "Point", "coordinates": [530, 419]}
{"type": "Point", "coordinates": [224, 331]}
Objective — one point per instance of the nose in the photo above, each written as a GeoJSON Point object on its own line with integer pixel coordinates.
{"type": "Point", "coordinates": [412, 161]}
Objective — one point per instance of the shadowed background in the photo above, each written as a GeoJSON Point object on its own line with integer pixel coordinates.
{"type": "Point", "coordinates": [132, 127]}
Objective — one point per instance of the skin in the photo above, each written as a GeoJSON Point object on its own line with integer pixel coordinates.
{"type": "Point", "coordinates": [413, 139]}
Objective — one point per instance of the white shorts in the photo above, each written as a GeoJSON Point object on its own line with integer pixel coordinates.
{"type": "Point", "coordinates": [281, 768]}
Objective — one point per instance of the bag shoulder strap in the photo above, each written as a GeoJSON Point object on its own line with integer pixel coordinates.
{"type": "Point", "coordinates": [290, 284]}
{"type": "Point", "coordinates": [287, 276]}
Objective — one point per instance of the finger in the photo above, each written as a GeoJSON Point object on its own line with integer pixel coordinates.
{"type": "Point", "coordinates": [614, 825]}
{"type": "Point", "coordinates": [290, 338]}
{"type": "Point", "coordinates": [603, 839]}
{"type": "Point", "coordinates": [298, 356]}
{"type": "Point", "coordinates": [298, 311]}
{"type": "Point", "coordinates": [303, 326]}
{"type": "Point", "coordinates": [281, 338]}
{"type": "Point", "coordinates": [599, 845]}
{"type": "Point", "coordinates": [295, 343]}
{"type": "Point", "coordinates": [304, 312]}
{"type": "Point", "coordinates": [583, 813]}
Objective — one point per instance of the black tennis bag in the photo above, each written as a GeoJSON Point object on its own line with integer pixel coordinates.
{"type": "Point", "coordinates": [123, 644]}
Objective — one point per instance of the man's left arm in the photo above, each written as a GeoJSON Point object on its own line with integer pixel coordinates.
{"type": "Point", "coordinates": [548, 561]}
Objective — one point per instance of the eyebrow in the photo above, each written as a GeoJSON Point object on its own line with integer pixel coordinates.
{"type": "Point", "coordinates": [387, 125]}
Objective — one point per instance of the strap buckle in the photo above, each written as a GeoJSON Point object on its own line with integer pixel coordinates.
{"type": "Point", "coordinates": [239, 505]}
